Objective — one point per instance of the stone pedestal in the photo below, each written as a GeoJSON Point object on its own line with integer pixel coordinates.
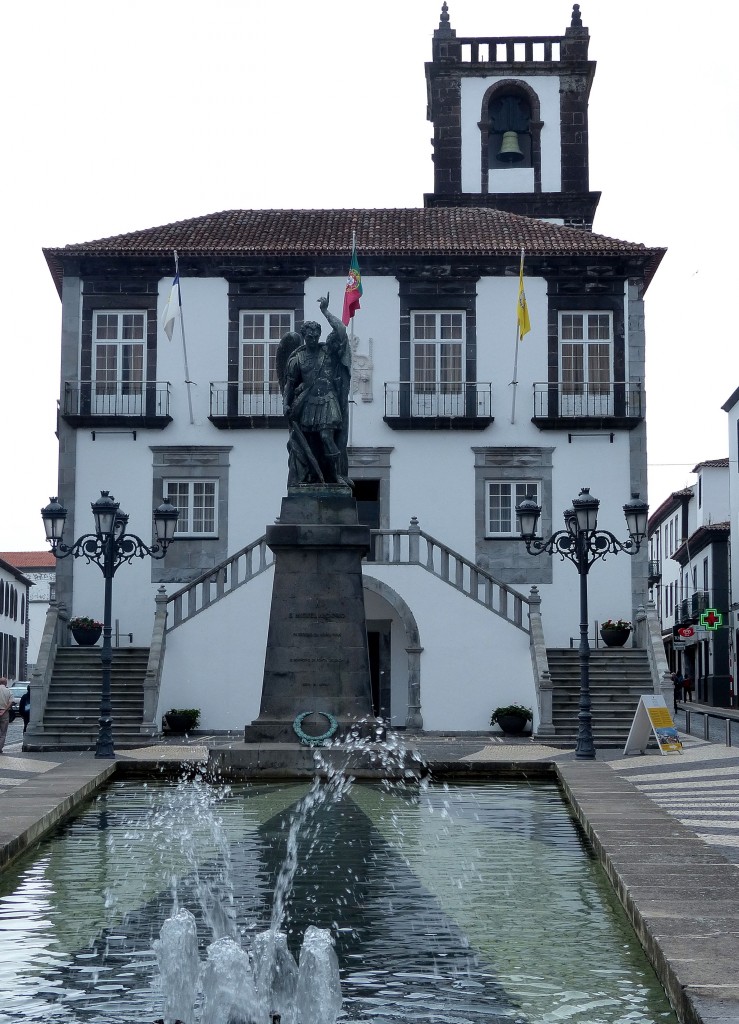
{"type": "Point", "coordinates": [316, 658]}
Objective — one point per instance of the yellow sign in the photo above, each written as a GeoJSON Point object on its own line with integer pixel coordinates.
{"type": "Point", "coordinates": [653, 718]}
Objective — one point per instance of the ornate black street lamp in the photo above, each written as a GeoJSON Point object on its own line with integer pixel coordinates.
{"type": "Point", "coordinates": [109, 547]}
{"type": "Point", "coordinates": [583, 543]}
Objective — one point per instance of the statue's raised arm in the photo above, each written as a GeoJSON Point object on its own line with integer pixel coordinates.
{"type": "Point", "coordinates": [336, 324]}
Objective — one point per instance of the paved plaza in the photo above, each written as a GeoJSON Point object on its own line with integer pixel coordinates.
{"type": "Point", "coordinates": [665, 828]}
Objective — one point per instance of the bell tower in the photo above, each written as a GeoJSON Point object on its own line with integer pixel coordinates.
{"type": "Point", "coordinates": [510, 118]}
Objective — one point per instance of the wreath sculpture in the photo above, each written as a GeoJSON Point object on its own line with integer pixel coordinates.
{"type": "Point", "coordinates": [315, 741]}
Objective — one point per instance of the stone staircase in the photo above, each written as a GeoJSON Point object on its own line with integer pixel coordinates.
{"type": "Point", "coordinates": [73, 704]}
{"type": "Point", "coordinates": [618, 677]}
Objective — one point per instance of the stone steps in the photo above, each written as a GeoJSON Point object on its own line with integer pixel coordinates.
{"type": "Point", "coordinates": [618, 677]}
{"type": "Point", "coordinates": [72, 706]}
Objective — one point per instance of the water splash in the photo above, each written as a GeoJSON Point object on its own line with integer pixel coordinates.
{"type": "Point", "coordinates": [270, 985]}
{"type": "Point", "coordinates": [179, 965]}
{"type": "Point", "coordinates": [229, 992]}
{"type": "Point", "coordinates": [319, 988]}
{"type": "Point", "coordinates": [276, 976]}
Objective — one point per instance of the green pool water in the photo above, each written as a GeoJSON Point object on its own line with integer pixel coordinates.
{"type": "Point", "coordinates": [448, 904]}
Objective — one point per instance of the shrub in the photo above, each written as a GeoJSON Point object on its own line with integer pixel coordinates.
{"type": "Point", "coordinates": [512, 709]}
{"type": "Point", "coordinates": [193, 714]}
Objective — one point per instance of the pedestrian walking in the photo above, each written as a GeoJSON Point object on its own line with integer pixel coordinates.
{"type": "Point", "coordinates": [688, 687]}
{"type": "Point", "coordinates": [677, 688]}
{"type": "Point", "coordinates": [24, 707]}
{"type": "Point", "coordinates": [6, 702]}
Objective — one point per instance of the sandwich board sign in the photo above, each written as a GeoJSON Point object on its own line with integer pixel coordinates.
{"type": "Point", "coordinates": [653, 718]}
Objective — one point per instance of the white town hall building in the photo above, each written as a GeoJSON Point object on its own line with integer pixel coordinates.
{"type": "Point", "coordinates": [443, 443]}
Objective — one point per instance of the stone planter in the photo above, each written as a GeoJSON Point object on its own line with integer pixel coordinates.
{"type": "Point", "coordinates": [512, 724]}
{"type": "Point", "coordinates": [614, 637]}
{"type": "Point", "coordinates": [86, 637]}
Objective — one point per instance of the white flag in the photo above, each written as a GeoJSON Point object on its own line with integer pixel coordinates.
{"type": "Point", "coordinates": [172, 309]}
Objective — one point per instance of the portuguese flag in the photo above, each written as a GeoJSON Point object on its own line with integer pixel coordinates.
{"type": "Point", "coordinates": [353, 289]}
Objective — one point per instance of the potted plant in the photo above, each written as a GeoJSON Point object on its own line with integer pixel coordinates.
{"type": "Point", "coordinates": [615, 632]}
{"type": "Point", "coordinates": [85, 630]}
{"type": "Point", "coordinates": [512, 718]}
{"type": "Point", "coordinates": [181, 720]}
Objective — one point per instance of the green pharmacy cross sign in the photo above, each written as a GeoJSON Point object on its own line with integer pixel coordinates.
{"type": "Point", "coordinates": [711, 618]}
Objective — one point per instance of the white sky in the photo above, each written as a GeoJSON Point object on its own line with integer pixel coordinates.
{"type": "Point", "coordinates": [123, 116]}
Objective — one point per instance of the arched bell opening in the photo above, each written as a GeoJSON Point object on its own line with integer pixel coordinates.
{"type": "Point", "coordinates": [509, 138]}
{"type": "Point", "coordinates": [510, 134]}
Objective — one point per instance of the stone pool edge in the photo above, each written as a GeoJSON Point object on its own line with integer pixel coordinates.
{"type": "Point", "coordinates": [45, 800]}
{"type": "Point", "coordinates": [681, 897]}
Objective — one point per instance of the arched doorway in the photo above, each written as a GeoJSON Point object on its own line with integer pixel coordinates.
{"type": "Point", "coordinates": [395, 655]}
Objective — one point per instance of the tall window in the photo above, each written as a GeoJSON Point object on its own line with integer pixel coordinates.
{"type": "Point", "coordinates": [502, 499]}
{"type": "Point", "coordinates": [196, 501]}
{"type": "Point", "coordinates": [438, 363]}
{"type": "Point", "coordinates": [118, 361]}
{"type": "Point", "coordinates": [261, 332]}
{"type": "Point", "coordinates": [585, 345]}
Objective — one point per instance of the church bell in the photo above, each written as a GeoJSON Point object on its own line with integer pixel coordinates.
{"type": "Point", "coordinates": [510, 151]}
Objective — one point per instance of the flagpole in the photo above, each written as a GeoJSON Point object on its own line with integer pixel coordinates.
{"type": "Point", "coordinates": [519, 324]}
{"type": "Point", "coordinates": [188, 382]}
{"type": "Point", "coordinates": [514, 382]}
{"type": "Point", "coordinates": [351, 375]}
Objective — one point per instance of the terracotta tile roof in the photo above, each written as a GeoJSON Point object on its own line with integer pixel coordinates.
{"type": "Point", "coordinates": [448, 230]}
{"type": "Point", "coordinates": [700, 539]}
{"type": "Point", "coordinates": [29, 560]}
{"type": "Point", "coordinates": [712, 464]}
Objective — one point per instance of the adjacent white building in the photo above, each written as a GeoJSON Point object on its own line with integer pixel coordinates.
{"type": "Point", "coordinates": [689, 576]}
{"type": "Point", "coordinates": [39, 568]}
{"type": "Point", "coordinates": [14, 592]}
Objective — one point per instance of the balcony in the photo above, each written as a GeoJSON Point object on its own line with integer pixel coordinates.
{"type": "Point", "coordinates": [654, 571]}
{"type": "Point", "coordinates": [559, 405]}
{"type": "Point", "coordinates": [689, 610]}
{"type": "Point", "coordinates": [410, 406]}
{"type": "Point", "coordinates": [116, 403]}
{"type": "Point", "coordinates": [232, 406]}
{"type": "Point", "coordinates": [682, 612]}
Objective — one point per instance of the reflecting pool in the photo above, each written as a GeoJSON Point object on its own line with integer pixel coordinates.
{"type": "Point", "coordinates": [449, 904]}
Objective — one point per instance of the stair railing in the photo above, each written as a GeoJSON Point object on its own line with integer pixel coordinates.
{"type": "Point", "coordinates": [218, 582]}
{"type": "Point", "coordinates": [414, 547]}
{"type": "Point", "coordinates": [153, 677]}
{"type": "Point", "coordinates": [649, 635]}
{"type": "Point", "coordinates": [540, 665]}
{"type": "Point", "coordinates": [55, 635]}
{"type": "Point", "coordinates": [388, 547]}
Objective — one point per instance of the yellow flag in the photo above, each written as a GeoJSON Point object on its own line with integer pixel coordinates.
{"type": "Point", "coordinates": [522, 310]}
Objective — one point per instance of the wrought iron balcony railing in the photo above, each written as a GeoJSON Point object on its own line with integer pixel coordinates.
{"type": "Point", "coordinates": [94, 401]}
{"type": "Point", "coordinates": [457, 400]}
{"type": "Point", "coordinates": [234, 403]}
{"type": "Point", "coordinates": [654, 571]}
{"type": "Point", "coordinates": [557, 400]}
{"type": "Point", "coordinates": [699, 602]}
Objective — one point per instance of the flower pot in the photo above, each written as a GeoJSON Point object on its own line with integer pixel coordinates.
{"type": "Point", "coordinates": [614, 637]}
{"type": "Point", "coordinates": [512, 724]}
{"type": "Point", "coordinates": [86, 637]}
{"type": "Point", "coordinates": [178, 723]}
